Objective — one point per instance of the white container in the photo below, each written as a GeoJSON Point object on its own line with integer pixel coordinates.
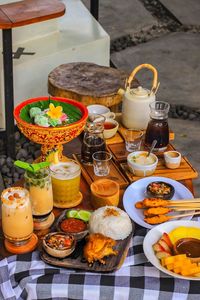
{"type": "Point", "coordinates": [135, 107]}
{"type": "Point", "coordinates": [140, 169]}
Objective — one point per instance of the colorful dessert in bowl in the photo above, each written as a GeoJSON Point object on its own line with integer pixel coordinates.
{"type": "Point", "coordinates": [59, 244]}
{"type": "Point", "coordinates": [53, 121]}
{"type": "Point", "coordinates": [141, 164]}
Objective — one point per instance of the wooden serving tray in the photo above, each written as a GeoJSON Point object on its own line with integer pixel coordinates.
{"type": "Point", "coordinates": [120, 154]}
{"type": "Point", "coordinates": [185, 171]}
{"type": "Point", "coordinates": [76, 261]}
{"type": "Point", "coordinates": [115, 174]}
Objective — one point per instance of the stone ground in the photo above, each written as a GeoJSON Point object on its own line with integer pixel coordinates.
{"type": "Point", "coordinates": [165, 34]}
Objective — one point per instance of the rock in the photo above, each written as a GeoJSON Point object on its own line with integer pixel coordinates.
{"type": "Point", "coordinates": [185, 115]}
{"type": "Point", "coordinates": [37, 153]}
{"type": "Point", "coordinates": [9, 175]}
{"type": "Point", "coordinates": [30, 160]}
{"type": "Point", "coordinates": [26, 145]}
{"type": "Point", "coordinates": [17, 136]}
{"type": "Point", "coordinates": [15, 175]}
{"type": "Point", "coordinates": [5, 170]}
{"type": "Point", "coordinates": [23, 153]}
{"type": "Point", "coordinates": [19, 171]}
{"type": "Point", "coordinates": [9, 162]}
{"type": "Point", "coordinates": [2, 161]}
{"type": "Point", "coordinates": [192, 116]}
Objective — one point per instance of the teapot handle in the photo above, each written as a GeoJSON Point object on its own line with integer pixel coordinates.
{"type": "Point", "coordinates": [155, 76]}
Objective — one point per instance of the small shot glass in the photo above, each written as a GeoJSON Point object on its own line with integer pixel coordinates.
{"type": "Point", "coordinates": [101, 163]}
{"type": "Point", "coordinates": [133, 139]}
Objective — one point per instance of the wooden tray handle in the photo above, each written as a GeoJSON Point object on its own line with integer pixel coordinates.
{"type": "Point", "coordinates": [138, 68]}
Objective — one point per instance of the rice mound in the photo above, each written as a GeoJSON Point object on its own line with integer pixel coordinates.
{"type": "Point", "coordinates": [117, 227]}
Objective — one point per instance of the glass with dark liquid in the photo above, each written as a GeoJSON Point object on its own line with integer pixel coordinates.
{"type": "Point", "coordinates": [157, 128]}
{"type": "Point", "coordinates": [93, 140]}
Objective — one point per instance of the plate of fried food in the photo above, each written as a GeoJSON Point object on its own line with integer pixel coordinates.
{"type": "Point", "coordinates": [174, 248]}
{"type": "Point", "coordinates": [102, 247]}
{"type": "Point", "coordinates": [149, 211]}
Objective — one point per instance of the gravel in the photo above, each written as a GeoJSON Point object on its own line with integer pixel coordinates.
{"type": "Point", "coordinates": [25, 151]}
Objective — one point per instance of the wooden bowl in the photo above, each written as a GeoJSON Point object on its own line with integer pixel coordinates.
{"type": "Point", "coordinates": [167, 196]}
{"type": "Point", "coordinates": [60, 253]}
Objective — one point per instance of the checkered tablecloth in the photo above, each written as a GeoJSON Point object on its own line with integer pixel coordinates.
{"type": "Point", "coordinates": [28, 277]}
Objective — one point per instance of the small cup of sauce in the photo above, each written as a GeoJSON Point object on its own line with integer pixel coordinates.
{"type": "Point", "coordinates": [172, 159]}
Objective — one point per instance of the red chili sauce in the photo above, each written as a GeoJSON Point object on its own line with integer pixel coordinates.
{"type": "Point", "coordinates": [73, 225]}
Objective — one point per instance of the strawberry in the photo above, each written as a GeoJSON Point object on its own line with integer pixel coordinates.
{"type": "Point", "coordinates": [166, 238]}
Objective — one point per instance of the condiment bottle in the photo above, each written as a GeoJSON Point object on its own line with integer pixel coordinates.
{"type": "Point", "coordinates": [135, 105]}
{"type": "Point", "coordinates": [157, 128]}
{"type": "Point", "coordinates": [93, 139]}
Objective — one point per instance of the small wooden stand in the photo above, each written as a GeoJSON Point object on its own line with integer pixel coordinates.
{"type": "Point", "coordinates": [88, 83]}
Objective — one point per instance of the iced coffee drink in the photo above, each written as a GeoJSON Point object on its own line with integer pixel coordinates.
{"type": "Point", "coordinates": [17, 220]}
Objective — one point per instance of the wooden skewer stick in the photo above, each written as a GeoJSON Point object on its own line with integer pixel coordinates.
{"type": "Point", "coordinates": [194, 200]}
{"type": "Point", "coordinates": [184, 215]}
{"type": "Point", "coordinates": [185, 208]}
{"type": "Point", "coordinates": [184, 204]}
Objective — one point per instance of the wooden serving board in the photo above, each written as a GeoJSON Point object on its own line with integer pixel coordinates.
{"type": "Point", "coordinates": [120, 154]}
{"type": "Point", "coordinates": [76, 261]}
{"type": "Point", "coordinates": [115, 174]}
{"type": "Point", "coordinates": [184, 172]}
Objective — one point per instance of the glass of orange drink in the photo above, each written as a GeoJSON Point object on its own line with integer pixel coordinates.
{"type": "Point", "coordinates": [17, 220]}
{"type": "Point", "coordinates": [41, 195]}
{"type": "Point", "coordinates": [66, 184]}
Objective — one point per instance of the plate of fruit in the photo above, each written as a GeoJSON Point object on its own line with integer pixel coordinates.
{"type": "Point", "coordinates": [174, 248]}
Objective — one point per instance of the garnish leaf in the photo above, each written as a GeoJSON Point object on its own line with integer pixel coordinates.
{"type": "Point", "coordinates": [31, 167]}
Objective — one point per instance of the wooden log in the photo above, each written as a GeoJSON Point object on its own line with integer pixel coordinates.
{"type": "Point", "coordinates": [88, 83]}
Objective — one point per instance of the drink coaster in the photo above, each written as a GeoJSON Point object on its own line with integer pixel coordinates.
{"type": "Point", "coordinates": [28, 247]}
{"type": "Point", "coordinates": [44, 224]}
{"type": "Point", "coordinates": [71, 204]}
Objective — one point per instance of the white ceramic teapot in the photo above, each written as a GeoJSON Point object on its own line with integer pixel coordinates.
{"type": "Point", "coordinates": [135, 106]}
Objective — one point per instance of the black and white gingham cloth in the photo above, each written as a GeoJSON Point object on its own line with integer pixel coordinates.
{"type": "Point", "coordinates": [28, 277]}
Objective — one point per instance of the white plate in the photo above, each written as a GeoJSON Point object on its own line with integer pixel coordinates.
{"type": "Point", "coordinates": [137, 192]}
{"type": "Point", "coordinates": [155, 234]}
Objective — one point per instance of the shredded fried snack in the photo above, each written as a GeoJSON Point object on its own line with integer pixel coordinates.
{"type": "Point", "coordinates": [97, 247]}
{"type": "Point", "coordinates": [111, 212]}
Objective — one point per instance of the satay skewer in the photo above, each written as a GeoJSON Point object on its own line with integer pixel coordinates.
{"type": "Point", "coordinates": [163, 218]}
{"type": "Point", "coordinates": [153, 211]}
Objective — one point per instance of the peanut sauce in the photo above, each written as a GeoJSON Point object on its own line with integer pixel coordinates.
{"type": "Point", "coordinates": [188, 246]}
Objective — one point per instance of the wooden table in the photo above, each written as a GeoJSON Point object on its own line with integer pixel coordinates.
{"type": "Point", "coordinates": [186, 173]}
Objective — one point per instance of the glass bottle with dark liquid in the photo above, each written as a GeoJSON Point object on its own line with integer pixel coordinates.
{"type": "Point", "coordinates": [157, 128]}
{"type": "Point", "coordinates": [93, 140]}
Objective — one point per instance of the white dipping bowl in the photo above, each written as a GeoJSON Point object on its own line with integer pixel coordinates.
{"type": "Point", "coordinates": [142, 170]}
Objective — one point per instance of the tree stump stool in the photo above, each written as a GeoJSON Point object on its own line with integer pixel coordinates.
{"type": "Point", "coordinates": [88, 83]}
